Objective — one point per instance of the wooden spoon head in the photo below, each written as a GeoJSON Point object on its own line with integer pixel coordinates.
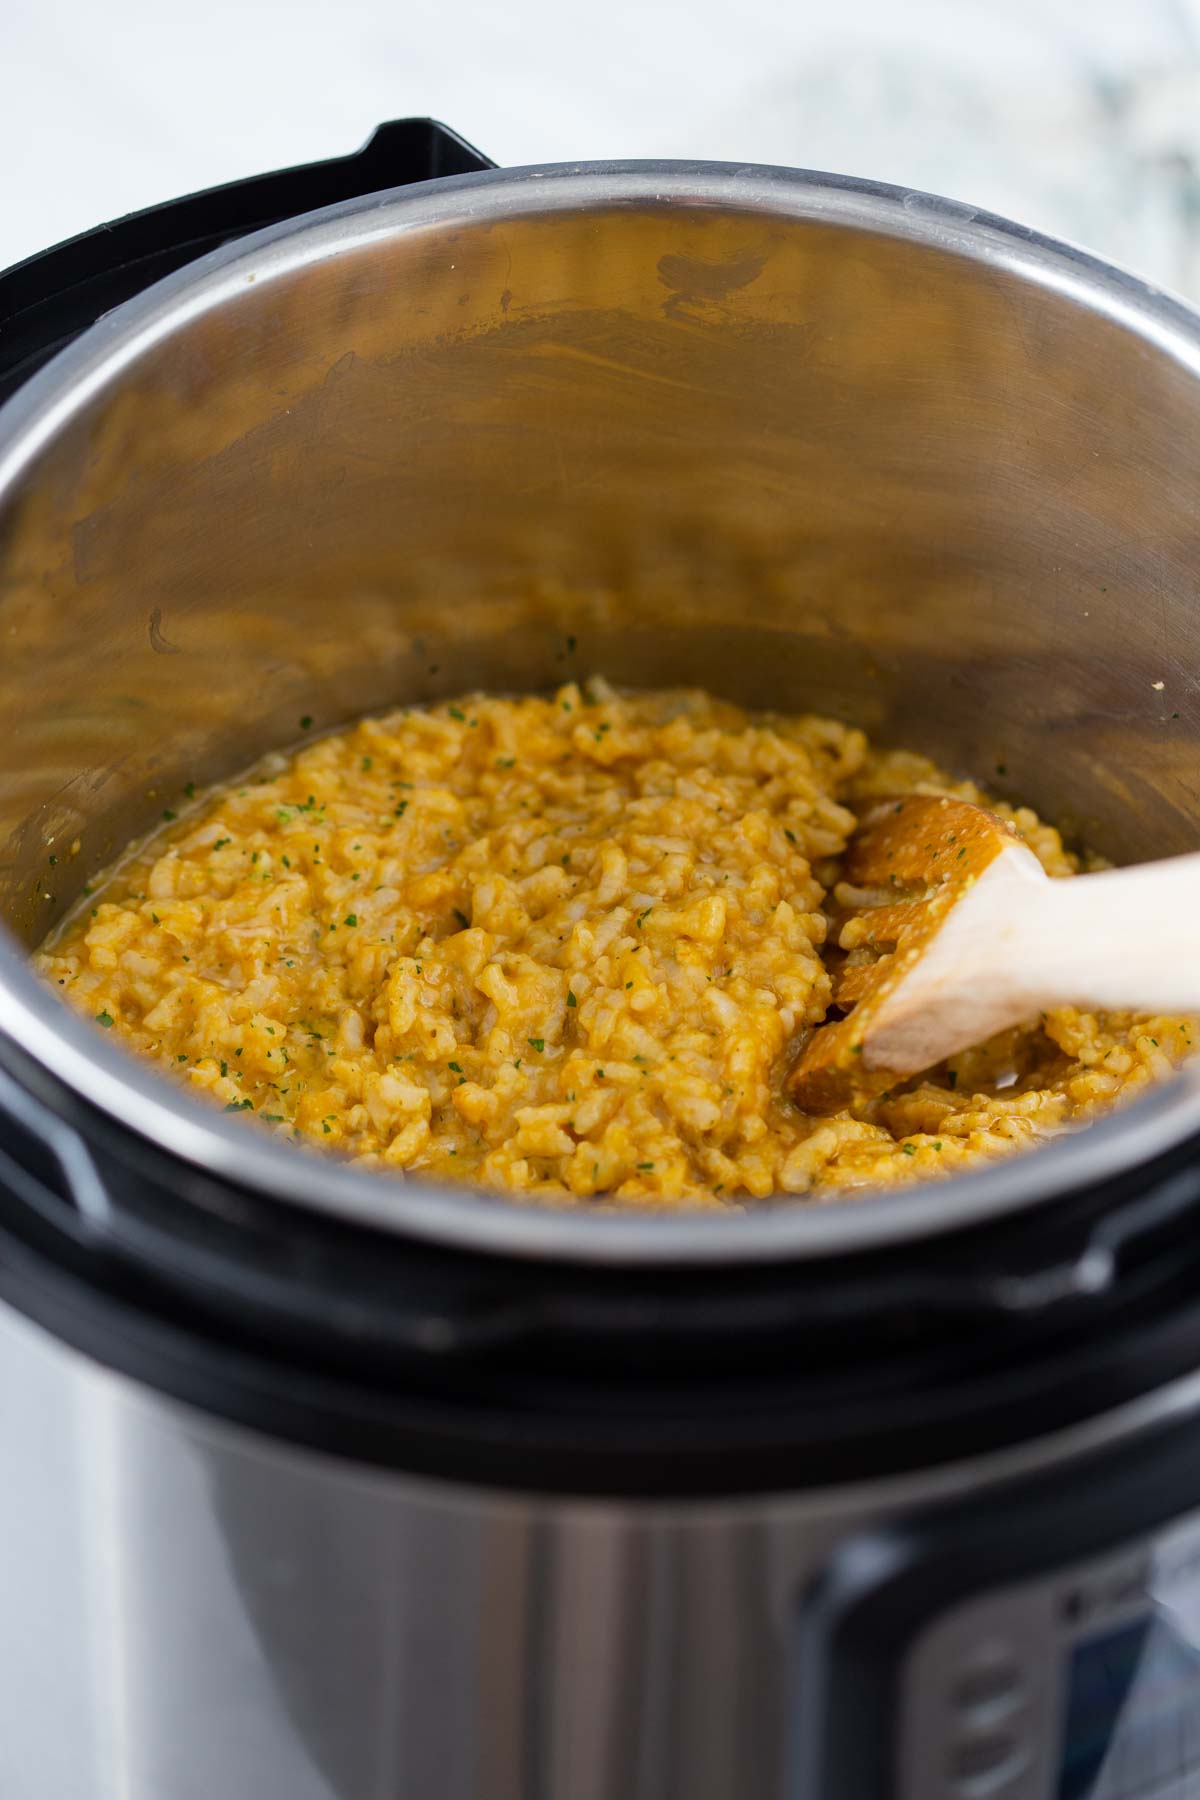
{"type": "Point", "coordinates": [910, 861]}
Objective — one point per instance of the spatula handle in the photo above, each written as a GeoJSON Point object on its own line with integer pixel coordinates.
{"type": "Point", "coordinates": [1125, 940]}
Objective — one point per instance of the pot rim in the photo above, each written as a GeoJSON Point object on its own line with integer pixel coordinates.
{"type": "Point", "coordinates": [34, 1024]}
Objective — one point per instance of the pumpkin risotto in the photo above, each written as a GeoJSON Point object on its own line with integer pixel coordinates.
{"type": "Point", "coordinates": [561, 947]}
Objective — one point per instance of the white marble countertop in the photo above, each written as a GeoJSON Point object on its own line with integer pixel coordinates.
{"type": "Point", "coordinates": [1084, 120]}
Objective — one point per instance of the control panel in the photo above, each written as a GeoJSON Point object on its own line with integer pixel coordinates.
{"type": "Point", "coordinates": [1082, 1685]}
{"type": "Point", "coordinates": [1034, 1640]}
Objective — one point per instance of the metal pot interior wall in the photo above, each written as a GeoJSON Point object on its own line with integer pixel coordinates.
{"type": "Point", "coordinates": [525, 431]}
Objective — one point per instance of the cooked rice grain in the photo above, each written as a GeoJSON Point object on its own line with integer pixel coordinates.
{"type": "Point", "coordinates": [558, 947]}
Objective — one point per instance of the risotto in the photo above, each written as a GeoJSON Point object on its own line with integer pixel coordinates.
{"type": "Point", "coordinates": [562, 947]}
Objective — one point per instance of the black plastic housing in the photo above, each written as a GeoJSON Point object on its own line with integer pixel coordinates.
{"type": "Point", "coordinates": [581, 1379]}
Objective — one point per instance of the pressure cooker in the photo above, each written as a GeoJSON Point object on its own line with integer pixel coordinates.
{"type": "Point", "coordinates": [325, 1485]}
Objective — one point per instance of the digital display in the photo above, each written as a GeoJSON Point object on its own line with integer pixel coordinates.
{"type": "Point", "coordinates": [1103, 1670]}
{"type": "Point", "coordinates": [1132, 1719]}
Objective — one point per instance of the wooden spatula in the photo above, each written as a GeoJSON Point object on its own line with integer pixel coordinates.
{"type": "Point", "coordinates": [953, 931]}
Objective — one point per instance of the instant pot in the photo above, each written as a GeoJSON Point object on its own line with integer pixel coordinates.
{"type": "Point", "coordinates": [321, 1485]}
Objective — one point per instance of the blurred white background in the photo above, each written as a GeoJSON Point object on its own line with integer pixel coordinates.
{"type": "Point", "coordinates": [1079, 116]}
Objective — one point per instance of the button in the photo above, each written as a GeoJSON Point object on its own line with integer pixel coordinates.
{"type": "Point", "coordinates": [989, 1683]}
{"type": "Point", "coordinates": [990, 1689]}
{"type": "Point", "coordinates": [978, 1756]}
{"type": "Point", "coordinates": [983, 1768]}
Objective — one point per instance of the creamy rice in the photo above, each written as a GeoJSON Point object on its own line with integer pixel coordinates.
{"type": "Point", "coordinates": [558, 946]}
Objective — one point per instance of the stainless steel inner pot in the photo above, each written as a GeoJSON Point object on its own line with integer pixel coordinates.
{"type": "Point", "coordinates": [807, 441]}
